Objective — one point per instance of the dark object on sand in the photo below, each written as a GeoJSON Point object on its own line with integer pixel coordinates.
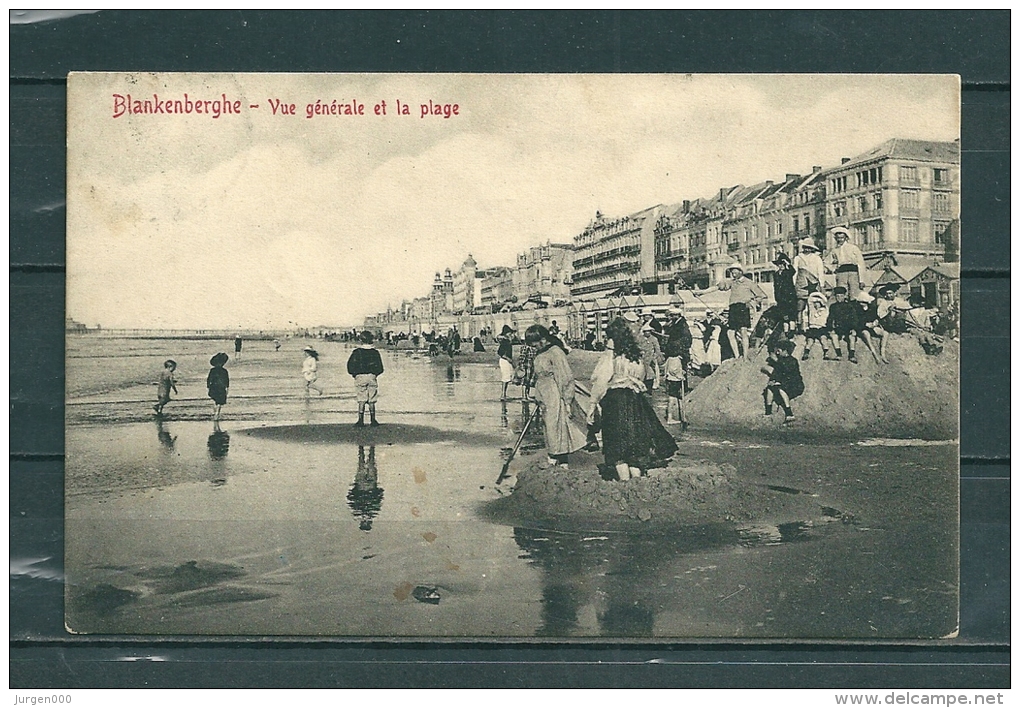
{"type": "Point", "coordinates": [506, 465]}
{"type": "Point", "coordinates": [426, 594]}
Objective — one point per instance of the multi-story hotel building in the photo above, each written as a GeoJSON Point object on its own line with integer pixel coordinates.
{"type": "Point", "coordinates": [900, 198]}
{"type": "Point", "coordinates": [544, 273]}
{"type": "Point", "coordinates": [613, 254]}
{"type": "Point", "coordinates": [497, 287]}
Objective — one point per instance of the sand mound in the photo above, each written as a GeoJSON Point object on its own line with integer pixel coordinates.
{"type": "Point", "coordinates": [914, 396]}
{"type": "Point", "coordinates": [687, 492]}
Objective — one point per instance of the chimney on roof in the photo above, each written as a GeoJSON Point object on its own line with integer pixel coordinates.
{"type": "Point", "coordinates": [687, 205]}
{"type": "Point", "coordinates": [790, 177]}
{"type": "Point", "coordinates": [816, 168]}
{"type": "Point", "coordinates": [844, 160]}
{"type": "Point", "coordinates": [722, 193]}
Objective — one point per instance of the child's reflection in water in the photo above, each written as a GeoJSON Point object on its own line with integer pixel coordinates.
{"type": "Point", "coordinates": [365, 496]}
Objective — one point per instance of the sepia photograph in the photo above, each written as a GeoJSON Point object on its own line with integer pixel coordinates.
{"type": "Point", "coordinates": [513, 356]}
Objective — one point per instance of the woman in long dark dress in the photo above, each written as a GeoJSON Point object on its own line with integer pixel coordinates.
{"type": "Point", "coordinates": [218, 381]}
{"type": "Point", "coordinates": [785, 290]}
{"type": "Point", "coordinates": [632, 435]}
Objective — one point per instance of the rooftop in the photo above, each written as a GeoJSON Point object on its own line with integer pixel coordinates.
{"type": "Point", "coordinates": [902, 148]}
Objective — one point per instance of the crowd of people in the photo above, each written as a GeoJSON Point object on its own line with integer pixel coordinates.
{"type": "Point", "coordinates": [633, 364]}
{"type": "Point", "coordinates": [818, 302]}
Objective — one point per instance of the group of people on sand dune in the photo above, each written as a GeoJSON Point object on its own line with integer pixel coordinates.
{"type": "Point", "coordinates": [641, 356]}
{"type": "Point", "coordinates": [364, 365]}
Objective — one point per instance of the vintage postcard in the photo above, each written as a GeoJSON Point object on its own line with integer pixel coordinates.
{"type": "Point", "coordinates": [513, 356]}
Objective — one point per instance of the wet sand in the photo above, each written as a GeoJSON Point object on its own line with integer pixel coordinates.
{"type": "Point", "coordinates": [286, 520]}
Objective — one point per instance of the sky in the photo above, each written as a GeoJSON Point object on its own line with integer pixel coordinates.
{"type": "Point", "coordinates": [256, 220]}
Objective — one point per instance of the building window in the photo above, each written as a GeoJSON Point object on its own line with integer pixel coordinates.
{"type": "Point", "coordinates": [875, 233]}
{"type": "Point", "coordinates": [877, 196]}
{"type": "Point", "coordinates": [940, 202]}
{"type": "Point", "coordinates": [872, 176]}
{"type": "Point", "coordinates": [908, 173]}
{"type": "Point", "coordinates": [909, 199]}
{"type": "Point", "coordinates": [807, 222]}
{"type": "Point", "coordinates": [862, 234]}
{"type": "Point", "coordinates": [908, 231]}
{"type": "Point", "coordinates": [796, 224]}
{"type": "Point", "coordinates": [862, 204]}
{"type": "Point", "coordinates": [940, 175]}
{"type": "Point", "coordinates": [779, 228]}
{"type": "Point", "coordinates": [941, 232]}
{"type": "Point", "coordinates": [839, 208]}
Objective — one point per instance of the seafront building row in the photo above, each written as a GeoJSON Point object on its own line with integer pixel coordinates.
{"type": "Point", "coordinates": [900, 201]}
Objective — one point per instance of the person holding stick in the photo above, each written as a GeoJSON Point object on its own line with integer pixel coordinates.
{"type": "Point", "coordinates": [554, 389]}
{"type": "Point", "coordinates": [678, 359]}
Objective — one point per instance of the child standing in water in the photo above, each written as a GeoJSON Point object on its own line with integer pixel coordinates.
{"type": "Point", "coordinates": [167, 383]}
{"type": "Point", "coordinates": [218, 381]}
{"type": "Point", "coordinates": [785, 382]}
{"type": "Point", "coordinates": [365, 365]}
{"type": "Point", "coordinates": [310, 370]}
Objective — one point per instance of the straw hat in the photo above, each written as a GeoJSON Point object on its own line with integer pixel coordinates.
{"type": "Point", "coordinates": [630, 316]}
{"type": "Point", "coordinates": [807, 243]}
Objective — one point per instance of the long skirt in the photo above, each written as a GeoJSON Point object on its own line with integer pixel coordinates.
{"type": "Point", "coordinates": [631, 431]}
{"type": "Point", "coordinates": [562, 434]}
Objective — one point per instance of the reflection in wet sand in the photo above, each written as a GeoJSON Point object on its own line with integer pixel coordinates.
{"type": "Point", "coordinates": [293, 526]}
{"type": "Point", "coordinates": [365, 496]}
{"type": "Point", "coordinates": [166, 440]}
{"type": "Point", "coordinates": [615, 577]}
{"type": "Point", "coordinates": [218, 445]}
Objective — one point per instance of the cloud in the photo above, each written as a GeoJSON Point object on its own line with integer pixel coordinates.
{"type": "Point", "coordinates": [263, 221]}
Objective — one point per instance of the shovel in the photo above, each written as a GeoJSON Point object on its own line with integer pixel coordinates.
{"type": "Point", "coordinates": [504, 473]}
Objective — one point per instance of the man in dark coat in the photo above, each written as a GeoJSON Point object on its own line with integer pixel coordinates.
{"type": "Point", "coordinates": [678, 335]}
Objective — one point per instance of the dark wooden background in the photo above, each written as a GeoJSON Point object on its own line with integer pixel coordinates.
{"type": "Point", "coordinates": [972, 44]}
